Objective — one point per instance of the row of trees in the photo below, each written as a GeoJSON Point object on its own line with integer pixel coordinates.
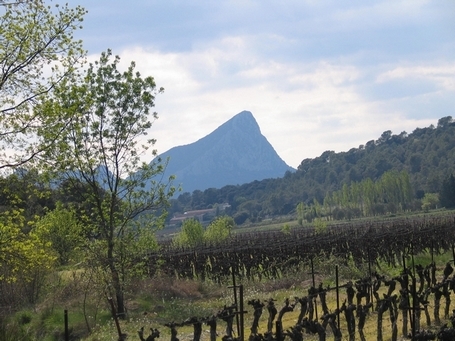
{"type": "Point", "coordinates": [77, 127]}
{"type": "Point", "coordinates": [390, 194]}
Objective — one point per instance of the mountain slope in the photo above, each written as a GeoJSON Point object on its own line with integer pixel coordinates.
{"type": "Point", "coordinates": [234, 153]}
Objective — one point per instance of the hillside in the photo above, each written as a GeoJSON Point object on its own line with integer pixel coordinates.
{"type": "Point", "coordinates": [427, 154]}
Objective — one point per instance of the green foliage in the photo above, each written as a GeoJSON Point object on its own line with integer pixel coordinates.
{"type": "Point", "coordinates": [447, 192]}
{"type": "Point", "coordinates": [219, 230]}
{"type": "Point", "coordinates": [286, 229]}
{"type": "Point", "coordinates": [64, 231]}
{"type": "Point", "coordinates": [300, 213]}
{"type": "Point", "coordinates": [25, 191]}
{"type": "Point", "coordinates": [430, 201]}
{"type": "Point", "coordinates": [390, 193]}
{"type": "Point", "coordinates": [320, 225]}
{"type": "Point", "coordinates": [191, 234]}
{"type": "Point", "coordinates": [37, 51]}
{"type": "Point", "coordinates": [13, 331]}
{"type": "Point", "coordinates": [22, 251]}
{"type": "Point", "coordinates": [309, 212]}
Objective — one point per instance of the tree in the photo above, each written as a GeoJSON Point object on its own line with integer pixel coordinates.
{"type": "Point", "coordinates": [26, 255]}
{"type": "Point", "coordinates": [445, 121]}
{"type": "Point", "coordinates": [191, 234]}
{"type": "Point", "coordinates": [385, 136]}
{"type": "Point", "coordinates": [27, 191]}
{"type": "Point", "coordinates": [22, 250]}
{"type": "Point", "coordinates": [219, 229]}
{"type": "Point", "coordinates": [37, 51]}
{"type": "Point", "coordinates": [100, 147]}
{"type": "Point", "coordinates": [447, 192]}
{"type": "Point", "coordinates": [300, 212]}
{"type": "Point", "coordinates": [430, 201]}
{"type": "Point", "coordinates": [64, 231]}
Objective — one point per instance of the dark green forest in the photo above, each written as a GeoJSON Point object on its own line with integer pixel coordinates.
{"type": "Point", "coordinates": [427, 155]}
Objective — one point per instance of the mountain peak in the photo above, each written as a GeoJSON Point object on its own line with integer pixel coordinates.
{"type": "Point", "coordinates": [245, 116]}
{"type": "Point", "coordinates": [243, 122]}
{"type": "Point", "coordinates": [235, 153]}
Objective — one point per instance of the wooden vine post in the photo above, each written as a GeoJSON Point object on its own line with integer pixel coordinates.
{"type": "Point", "coordinates": [234, 287]}
{"type": "Point", "coordinates": [239, 308]}
{"type": "Point", "coordinates": [67, 334]}
{"type": "Point", "coordinates": [414, 308]}
{"type": "Point", "coordinates": [314, 286]}
{"type": "Point", "coordinates": [242, 313]}
{"type": "Point", "coordinates": [369, 272]}
{"type": "Point", "coordinates": [337, 296]}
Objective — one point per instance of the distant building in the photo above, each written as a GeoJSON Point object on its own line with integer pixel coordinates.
{"type": "Point", "coordinates": [201, 215]}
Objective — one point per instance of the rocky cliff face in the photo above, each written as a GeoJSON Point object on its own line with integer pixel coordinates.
{"type": "Point", "coordinates": [234, 154]}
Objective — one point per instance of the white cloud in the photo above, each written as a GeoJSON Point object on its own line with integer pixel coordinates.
{"type": "Point", "coordinates": [317, 75]}
{"type": "Point", "coordinates": [442, 75]}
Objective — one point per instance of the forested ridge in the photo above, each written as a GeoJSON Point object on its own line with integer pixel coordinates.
{"type": "Point", "coordinates": [426, 154]}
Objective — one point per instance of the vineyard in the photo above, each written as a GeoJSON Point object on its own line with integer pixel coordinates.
{"type": "Point", "coordinates": [264, 255]}
{"type": "Point", "coordinates": [420, 290]}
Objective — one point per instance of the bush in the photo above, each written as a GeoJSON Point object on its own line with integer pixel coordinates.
{"type": "Point", "coordinates": [13, 331]}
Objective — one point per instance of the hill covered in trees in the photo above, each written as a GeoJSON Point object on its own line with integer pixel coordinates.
{"type": "Point", "coordinates": [427, 156]}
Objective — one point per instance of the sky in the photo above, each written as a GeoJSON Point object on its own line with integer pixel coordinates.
{"type": "Point", "coordinates": [317, 75]}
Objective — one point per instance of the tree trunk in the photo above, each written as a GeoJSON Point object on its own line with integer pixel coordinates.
{"type": "Point", "coordinates": [117, 285]}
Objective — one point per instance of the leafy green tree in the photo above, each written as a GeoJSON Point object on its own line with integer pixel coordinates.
{"type": "Point", "coordinates": [22, 250]}
{"type": "Point", "coordinates": [369, 196]}
{"type": "Point", "coordinates": [320, 226]}
{"type": "Point", "coordinates": [25, 190]}
{"type": "Point", "coordinates": [445, 121]}
{"type": "Point", "coordinates": [100, 147]}
{"type": "Point", "coordinates": [252, 207]}
{"type": "Point", "coordinates": [317, 208]}
{"type": "Point", "coordinates": [191, 234]}
{"type": "Point", "coordinates": [64, 231]}
{"type": "Point", "coordinates": [300, 212]}
{"type": "Point", "coordinates": [219, 229]}
{"type": "Point", "coordinates": [37, 51]}
{"type": "Point", "coordinates": [286, 229]}
{"type": "Point", "coordinates": [25, 257]}
{"type": "Point", "coordinates": [430, 201]}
